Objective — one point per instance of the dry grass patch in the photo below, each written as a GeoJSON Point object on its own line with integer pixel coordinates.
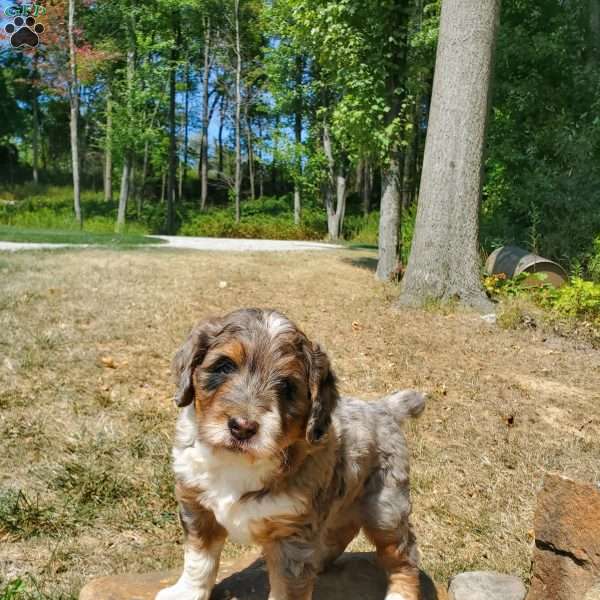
{"type": "Point", "coordinates": [86, 417]}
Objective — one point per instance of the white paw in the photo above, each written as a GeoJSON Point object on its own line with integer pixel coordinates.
{"type": "Point", "coordinates": [394, 596]}
{"type": "Point", "coordinates": [180, 591]}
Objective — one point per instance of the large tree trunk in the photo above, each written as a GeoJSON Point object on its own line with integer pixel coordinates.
{"type": "Point", "coordinates": [128, 157]}
{"type": "Point", "coordinates": [205, 120]}
{"type": "Point", "coordinates": [444, 260]}
{"type": "Point", "coordinates": [336, 189]}
{"type": "Point", "coordinates": [238, 107]}
{"type": "Point", "coordinates": [172, 174]}
{"type": "Point", "coordinates": [108, 184]}
{"type": "Point", "coordinates": [74, 119]}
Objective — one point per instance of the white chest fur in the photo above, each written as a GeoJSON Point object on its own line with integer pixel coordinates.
{"type": "Point", "coordinates": [224, 478]}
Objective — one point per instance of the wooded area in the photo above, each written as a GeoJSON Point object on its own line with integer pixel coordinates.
{"type": "Point", "coordinates": [304, 119]}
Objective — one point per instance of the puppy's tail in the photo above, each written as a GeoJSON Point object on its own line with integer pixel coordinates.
{"type": "Point", "coordinates": [405, 404]}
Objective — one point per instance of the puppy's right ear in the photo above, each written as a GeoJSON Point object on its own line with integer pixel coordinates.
{"type": "Point", "coordinates": [189, 356]}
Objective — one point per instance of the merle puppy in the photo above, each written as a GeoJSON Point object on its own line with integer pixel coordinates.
{"type": "Point", "coordinates": [267, 453]}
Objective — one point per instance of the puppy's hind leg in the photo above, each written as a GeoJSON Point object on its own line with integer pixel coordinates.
{"type": "Point", "coordinates": [385, 511]}
{"type": "Point", "coordinates": [398, 555]}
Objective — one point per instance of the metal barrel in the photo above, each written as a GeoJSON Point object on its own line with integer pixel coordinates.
{"type": "Point", "coordinates": [513, 261]}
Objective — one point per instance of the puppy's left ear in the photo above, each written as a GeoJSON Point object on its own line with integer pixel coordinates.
{"type": "Point", "coordinates": [322, 388]}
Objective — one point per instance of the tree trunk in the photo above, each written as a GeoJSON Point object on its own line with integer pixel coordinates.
{"type": "Point", "coordinates": [298, 139]}
{"type": "Point", "coordinates": [128, 155]}
{"type": "Point", "coordinates": [238, 106]}
{"type": "Point", "coordinates": [444, 261]}
{"type": "Point", "coordinates": [163, 186]}
{"type": "Point", "coordinates": [108, 149]}
{"type": "Point", "coordinates": [389, 220]}
{"type": "Point", "coordinates": [250, 154]}
{"type": "Point", "coordinates": [220, 136]}
{"type": "Point", "coordinates": [183, 166]}
{"type": "Point", "coordinates": [336, 189]}
{"type": "Point", "coordinates": [74, 119]}
{"type": "Point", "coordinates": [205, 120]}
{"type": "Point", "coordinates": [36, 122]}
{"type": "Point", "coordinates": [367, 186]}
{"type": "Point", "coordinates": [172, 175]}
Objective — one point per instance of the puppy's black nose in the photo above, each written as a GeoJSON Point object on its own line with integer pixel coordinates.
{"type": "Point", "coordinates": [242, 429]}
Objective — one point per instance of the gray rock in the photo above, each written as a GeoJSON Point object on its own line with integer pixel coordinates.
{"type": "Point", "coordinates": [485, 585]}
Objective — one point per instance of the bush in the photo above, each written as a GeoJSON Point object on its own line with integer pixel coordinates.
{"type": "Point", "coordinates": [264, 218]}
{"type": "Point", "coordinates": [594, 261]}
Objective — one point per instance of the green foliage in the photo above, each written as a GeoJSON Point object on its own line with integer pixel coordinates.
{"type": "Point", "coordinates": [51, 207]}
{"type": "Point", "coordinates": [13, 590]}
{"type": "Point", "coordinates": [265, 218]}
{"type": "Point", "coordinates": [543, 168]}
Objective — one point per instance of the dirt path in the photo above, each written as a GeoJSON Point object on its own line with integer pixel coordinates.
{"type": "Point", "coordinates": [194, 243]}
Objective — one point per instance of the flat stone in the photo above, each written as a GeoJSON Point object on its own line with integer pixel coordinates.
{"type": "Point", "coordinates": [486, 585]}
{"type": "Point", "coordinates": [566, 558]}
{"type": "Point", "coordinates": [354, 576]}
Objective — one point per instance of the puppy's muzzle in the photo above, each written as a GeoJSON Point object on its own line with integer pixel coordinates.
{"type": "Point", "coordinates": [242, 429]}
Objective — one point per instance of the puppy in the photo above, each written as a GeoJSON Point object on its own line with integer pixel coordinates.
{"type": "Point", "coordinates": [267, 453]}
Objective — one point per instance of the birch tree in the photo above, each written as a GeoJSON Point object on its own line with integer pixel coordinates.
{"type": "Point", "coordinates": [74, 115]}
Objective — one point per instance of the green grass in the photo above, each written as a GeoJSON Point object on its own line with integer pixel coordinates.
{"type": "Point", "coordinates": [57, 236]}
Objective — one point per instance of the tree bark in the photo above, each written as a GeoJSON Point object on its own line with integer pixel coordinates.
{"type": "Point", "coordinates": [205, 119]}
{"type": "Point", "coordinates": [298, 140]}
{"type": "Point", "coordinates": [250, 153]}
{"type": "Point", "coordinates": [172, 174]}
{"type": "Point", "coordinates": [36, 122]}
{"type": "Point", "coordinates": [238, 106]}
{"type": "Point", "coordinates": [74, 115]}
{"type": "Point", "coordinates": [444, 260]}
{"type": "Point", "coordinates": [128, 155]}
{"type": "Point", "coordinates": [108, 184]}
{"type": "Point", "coordinates": [389, 220]}
{"type": "Point", "coordinates": [183, 165]}
{"type": "Point", "coordinates": [336, 189]}
{"type": "Point", "coordinates": [220, 136]}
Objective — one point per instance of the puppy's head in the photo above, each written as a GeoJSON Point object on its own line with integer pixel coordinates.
{"type": "Point", "coordinates": [257, 383]}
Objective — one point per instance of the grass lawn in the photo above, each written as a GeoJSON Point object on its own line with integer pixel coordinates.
{"type": "Point", "coordinates": [58, 236]}
{"type": "Point", "coordinates": [86, 412]}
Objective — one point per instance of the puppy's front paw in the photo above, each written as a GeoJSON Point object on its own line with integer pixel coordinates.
{"type": "Point", "coordinates": [181, 591]}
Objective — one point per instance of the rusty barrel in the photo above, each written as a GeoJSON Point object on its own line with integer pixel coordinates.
{"type": "Point", "coordinates": [513, 261]}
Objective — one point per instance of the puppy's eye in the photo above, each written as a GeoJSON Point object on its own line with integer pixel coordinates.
{"type": "Point", "coordinates": [224, 366]}
{"type": "Point", "coordinates": [287, 390]}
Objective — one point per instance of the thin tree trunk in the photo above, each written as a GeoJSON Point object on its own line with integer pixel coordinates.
{"type": "Point", "coordinates": [444, 261]}
{"type": "Point", "coordinates": [336, 189]}
{"type": "Point", "coordinates": [128, 157]}
{"type": "Point", "coordinates": [108, 167]}
{"type": "Point", "coordinates": [172, 175]}
{"type": "Point", "coordinates": [163, 186]}
{"type": "Point", "coordinates": [298, 140]}
{"type": "Point", "coordinates": [238, 106]}
{"type": "Point", "coordinates": [142, 187]}
{"type": "Point", "coordinates": [74, 120]}
{"type": "Point", "coordinates": [205, 119]}
{"type": "Point", "coordinates": [250, 154]}
{"type": "Point", "coordinates": [389, 220]}
{"type": "Point", "coordinates": [183, 167]}
{"type": "Point", "coordinates": [220, 136]}
{"type": "Point", "coordinates": [36, 122]}
{"type": "Point", "coordinates": [594, 32]}
{"type": "Point", "coordinates": [366, 185]}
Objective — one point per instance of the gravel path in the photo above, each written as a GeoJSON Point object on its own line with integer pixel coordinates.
{"type": "Point", "coordinates": [194, 243]}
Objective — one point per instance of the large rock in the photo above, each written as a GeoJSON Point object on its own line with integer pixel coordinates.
{"type": "Point", "coordinates": [354, 576]}
{"type": "Point", "coordinates": [485, 585]}
{"type": "Point", "coordinates": [566, 559]}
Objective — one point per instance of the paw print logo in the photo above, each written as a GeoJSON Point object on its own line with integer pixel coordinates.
{"type": "Point", "coordinates": [24, 32]}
